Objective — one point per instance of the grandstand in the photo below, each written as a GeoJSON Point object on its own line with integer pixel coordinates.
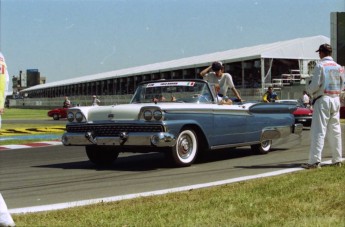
{"type": "Point", "coordinates": [252, 68]}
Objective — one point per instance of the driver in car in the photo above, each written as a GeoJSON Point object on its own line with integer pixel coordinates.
{"type": "Point", "coordinates": [225, 101]}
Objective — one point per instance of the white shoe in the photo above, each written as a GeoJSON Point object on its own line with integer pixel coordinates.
{"type": "Point", "coordinates": [316, 165]}
{"type": "Point", "coordinates": [5, 216]}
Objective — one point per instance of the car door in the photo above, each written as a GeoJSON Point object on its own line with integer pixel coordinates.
{"type": "Point", "coordinates": [230, 124]}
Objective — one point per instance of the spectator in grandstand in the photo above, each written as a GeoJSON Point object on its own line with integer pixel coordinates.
{"type": "Point", "coordinates": [95, 100]}
{"type": "Point", "coordinates": [66, 103]}
{"type": "Point", "coordinates": [270, 95]}
{"type": "Point", "coordinates": [306, 99]}
{"type": "Point", "coordinates": [7, 103]}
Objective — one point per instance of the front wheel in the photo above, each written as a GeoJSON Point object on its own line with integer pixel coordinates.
{"type": "Point", "coordinates": [185, 150]}
{"type": "Point", "coordinates": [101, 155]}
{"type": "Point", "coordinates": [263, 148]}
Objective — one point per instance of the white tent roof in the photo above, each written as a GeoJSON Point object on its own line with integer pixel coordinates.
{"type": "Point", "coordinates": [300, 48]}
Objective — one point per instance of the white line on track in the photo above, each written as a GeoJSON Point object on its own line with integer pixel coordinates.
{"type": "Point", "coordinates": [59, 206]}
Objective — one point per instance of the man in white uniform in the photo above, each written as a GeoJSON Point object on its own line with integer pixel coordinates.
{"type": "Point", "coordinates": [214, 74]}
{"type": "Point", "coordinates": [325, 86]}
{"type": "Point", "coordinates": [5, 216]}
{"type": "Point", "coordinates": [4, 79]}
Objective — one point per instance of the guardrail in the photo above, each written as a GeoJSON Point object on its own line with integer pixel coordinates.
{"type": "Point", "coordinates": [290, 92]}
{"type": "Point", "coordinates": [48, 103]}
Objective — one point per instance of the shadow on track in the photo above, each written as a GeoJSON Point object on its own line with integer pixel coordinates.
{"type": "Point", "coordinates": [153, 161]}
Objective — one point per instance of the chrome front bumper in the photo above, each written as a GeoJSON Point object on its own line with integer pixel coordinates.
{"type": "Point", "coordinates": [161, 139]}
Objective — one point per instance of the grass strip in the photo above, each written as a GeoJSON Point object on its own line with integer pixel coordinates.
{"type": "Point", "coordinates": [305, 198]}
{"type": "Point", "coordinates": [24, 114]}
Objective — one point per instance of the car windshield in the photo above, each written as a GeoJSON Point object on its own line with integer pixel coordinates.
{"type": "Point", "coordinates": [173, 91]}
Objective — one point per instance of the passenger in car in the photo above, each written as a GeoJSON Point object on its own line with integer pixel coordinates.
{"type": "Point", "coordinates": [215, 75]}
{"type": "Point", "coordinates": [159, 98]}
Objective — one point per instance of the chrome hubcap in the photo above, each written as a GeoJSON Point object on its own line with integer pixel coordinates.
{"type": "Point", "coordinates": [185, 146]}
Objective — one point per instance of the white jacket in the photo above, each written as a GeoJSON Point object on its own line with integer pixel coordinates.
{"type": "Point", "coordinates": [327, 79]}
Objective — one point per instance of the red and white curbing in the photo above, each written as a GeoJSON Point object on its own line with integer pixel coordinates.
{"type": "Point", "coordinates": [30, 145]}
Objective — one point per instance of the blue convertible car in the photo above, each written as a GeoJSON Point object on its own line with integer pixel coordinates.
{"type": "Point", "coordinates": [182, 118]}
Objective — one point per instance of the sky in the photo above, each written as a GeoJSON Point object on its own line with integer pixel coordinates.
{"type": "Point", "coordinates": [72, 38]}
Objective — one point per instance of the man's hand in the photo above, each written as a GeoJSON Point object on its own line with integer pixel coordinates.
{"type": "Point", "coordinates": [2, 110]}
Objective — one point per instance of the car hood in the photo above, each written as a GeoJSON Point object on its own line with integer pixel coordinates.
{"type": "Point", "coordinates": [128, 112]}
{"type": "Point", "coordinates": [116, 112]}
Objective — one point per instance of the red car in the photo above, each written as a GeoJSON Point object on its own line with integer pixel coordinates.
{"type": "Point", "coordinates": [302, 114]}
{"type": "Point", "coordinates": [58, 113]}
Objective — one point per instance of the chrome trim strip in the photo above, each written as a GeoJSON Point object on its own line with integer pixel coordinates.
{"type": "Point", "coordinates": [217, 110]}
{"type": "Point", "coordinates": [233, 145]}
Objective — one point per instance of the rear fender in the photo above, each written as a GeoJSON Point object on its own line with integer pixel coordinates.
{"type": "Point", "coordinates": [272, 108]}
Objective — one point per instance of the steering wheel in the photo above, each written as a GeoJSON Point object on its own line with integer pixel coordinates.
{"type": "Point", "coordinates": [204, 98]}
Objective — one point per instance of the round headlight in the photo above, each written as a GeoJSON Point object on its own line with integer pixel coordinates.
{"type": "Point", "coordinates": [79, 116]}
{"type": "Point", "coordinates": [157, 115]}
{"type": "Point", "coordinates": [70, 116]}
{"type": "Point", "coordinates": [148, 115]}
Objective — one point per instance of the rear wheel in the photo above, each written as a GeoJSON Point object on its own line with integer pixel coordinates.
{"type": "Point", "coordinates": [102, 155]}
{"type": "Point", "coordinates": [56, 117]}
{"type": "Point", "coordinates": [185, 150]}
{"type": "Point", "coordinates": [263, 148]}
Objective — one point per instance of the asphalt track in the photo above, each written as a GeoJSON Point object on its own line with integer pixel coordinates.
{"type": "Point", "coordinates": [41, 176]}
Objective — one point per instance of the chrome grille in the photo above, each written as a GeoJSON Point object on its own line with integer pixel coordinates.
{"type": "Point", "coordinates": [113, 129]}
